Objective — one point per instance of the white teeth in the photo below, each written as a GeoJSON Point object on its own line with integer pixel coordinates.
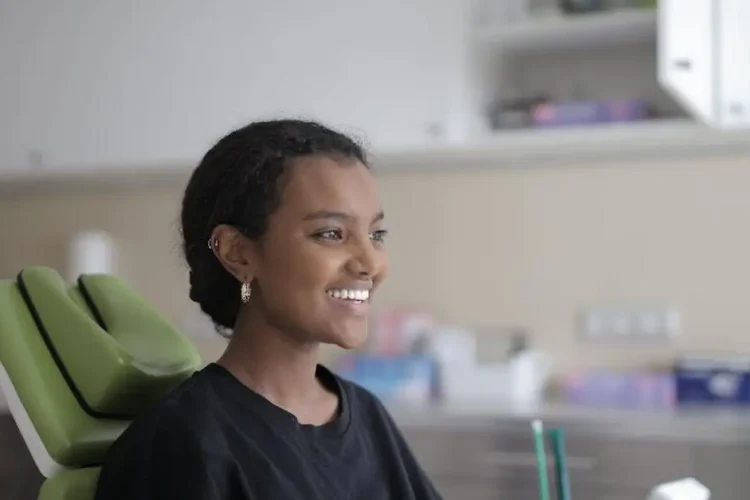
{"type": "Point", "coordinates": [346, 294]}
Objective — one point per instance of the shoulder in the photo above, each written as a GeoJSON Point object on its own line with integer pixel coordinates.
{"type": "Point", "coordinates": [178, 438]}
{"type": "Point", "coordinates": [187, 415]}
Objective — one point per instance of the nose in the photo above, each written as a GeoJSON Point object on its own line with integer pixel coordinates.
{"type": "Point", "coordinates": [365, 261]}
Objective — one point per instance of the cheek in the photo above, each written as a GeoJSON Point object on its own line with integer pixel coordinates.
{"type": "Point", "coordinates": [384, 266]}
{"type": "Point", "coordinates": [301, 278]}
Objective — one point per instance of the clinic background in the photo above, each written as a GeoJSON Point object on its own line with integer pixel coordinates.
{"type": "Point", "coordinates": [509, 213]}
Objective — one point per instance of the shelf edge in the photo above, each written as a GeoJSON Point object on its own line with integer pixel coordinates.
{"type": "Point", "coordinates": [561, 148]}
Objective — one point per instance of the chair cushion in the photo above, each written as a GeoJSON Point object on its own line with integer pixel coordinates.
{"type": "Point", "coordinates": [77, 484]}
{"type": "Point", "coordinates": [120, 354]}
{"type": "Point", "coordinates": [79, 383]}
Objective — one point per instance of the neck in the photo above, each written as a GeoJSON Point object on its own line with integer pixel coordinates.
{"type": "Point", "coordinates": [272, 363]}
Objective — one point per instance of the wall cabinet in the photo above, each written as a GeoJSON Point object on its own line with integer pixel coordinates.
{"type": "Point", "coordinates": [119, 85]}
{"type": "Point", "coordinates": [96, 88]}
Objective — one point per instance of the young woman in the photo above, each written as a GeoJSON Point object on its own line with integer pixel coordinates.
{"type": "Point", "coordinates": [283, 233]}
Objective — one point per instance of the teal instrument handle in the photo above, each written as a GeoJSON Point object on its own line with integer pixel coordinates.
{"type": "Point", "coordinates": [541, 459]}
{"type": "Point", "coordinates": [557, 436]}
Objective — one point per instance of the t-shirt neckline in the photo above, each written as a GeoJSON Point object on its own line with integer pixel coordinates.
{"type": "Point", "coordinates": [278, 417]}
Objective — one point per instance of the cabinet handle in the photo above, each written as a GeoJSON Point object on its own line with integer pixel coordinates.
{"type": "Point", "coordinates": [525, 459]}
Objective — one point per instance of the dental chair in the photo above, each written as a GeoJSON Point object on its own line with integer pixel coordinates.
{"type": "Point", "coordinates": [77, 363]}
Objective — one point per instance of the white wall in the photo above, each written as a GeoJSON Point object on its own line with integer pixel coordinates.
{"type": "Point", "coordinates": [105, 82]}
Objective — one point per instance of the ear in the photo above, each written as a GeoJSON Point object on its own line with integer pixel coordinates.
{"type": "Point", "coordinates": [234, 251]}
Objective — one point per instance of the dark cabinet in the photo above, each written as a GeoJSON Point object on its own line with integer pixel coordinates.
{"type": "Point", "coordinates": [496, 460]}
{"type": "Point", "coordinates": [724, 469]}
{"type": "Point", "coordinates": [19, 477]}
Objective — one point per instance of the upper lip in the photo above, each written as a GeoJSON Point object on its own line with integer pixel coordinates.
{"type": "Point", "coordinates": [361, 285]}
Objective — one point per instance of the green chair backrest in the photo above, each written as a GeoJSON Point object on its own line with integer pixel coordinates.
{"type": "Point", "coordinates": [77, 363]}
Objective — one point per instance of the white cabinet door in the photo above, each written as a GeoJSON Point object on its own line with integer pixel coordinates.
{"type": "Point", "coordinates": [111, 84]}
{"type": "Point", "coordinates": [687, 62]}
{"type": "Point", "coordinates": [733, 41]}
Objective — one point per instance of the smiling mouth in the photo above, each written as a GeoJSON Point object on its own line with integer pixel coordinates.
{"type": "Point", "coordinates": [350, 295]}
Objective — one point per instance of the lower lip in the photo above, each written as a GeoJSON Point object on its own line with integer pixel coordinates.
{"type": "Point", "coordinates": [357, 308]}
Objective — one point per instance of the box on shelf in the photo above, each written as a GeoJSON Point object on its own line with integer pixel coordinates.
{"type": "Point", "coordinates": [409, 379]}
{"type": "Point", "coordinates": [704, 380]}
{"type": "Point", "coordinates": [613, 389]}
{"type": "Point", "coordinates": [567, 113]}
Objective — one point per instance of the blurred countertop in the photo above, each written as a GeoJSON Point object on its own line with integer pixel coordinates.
{"type": "Point", "coordinates": [692, 424]}
{"type": "Point", "coordinates": [683, 424]}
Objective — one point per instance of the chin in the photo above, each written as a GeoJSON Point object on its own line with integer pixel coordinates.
{"type": "Point", "coordinates": [348, 338]}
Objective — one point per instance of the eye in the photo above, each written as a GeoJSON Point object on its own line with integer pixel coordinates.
{"type": "Point", "coordinates": [330, 235]}
{"type": "Point", "coordinates": [379, 235]}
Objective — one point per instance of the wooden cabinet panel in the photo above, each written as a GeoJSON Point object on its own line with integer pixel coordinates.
{"type": "Point", "coordinates": [724, 469]}
{"type": "Point", "coordinates": [514, 457]}
{"type": "Point", "coordinates": [471, 491]}
{"type": "Point", "coordinates": [500, 463]}
{"type": "Point", "coordinates": [643, 463]}
{"type": "Point", "coordinates": [454, 454]}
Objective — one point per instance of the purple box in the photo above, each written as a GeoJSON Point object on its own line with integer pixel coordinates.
{"type": "Point", "coordinates": [602, 388]}
{"type": "Point", "coordinates": [565, 113]}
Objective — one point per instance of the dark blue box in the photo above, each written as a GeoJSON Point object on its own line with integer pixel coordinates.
{"type": "Point", "coordinates": [713, 381]}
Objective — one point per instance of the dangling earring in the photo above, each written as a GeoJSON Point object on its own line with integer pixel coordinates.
{"type": "Point", "coordinates": [245, 292]}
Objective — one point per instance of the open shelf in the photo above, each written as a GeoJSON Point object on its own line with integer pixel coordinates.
{"type": "Point", "coordinates": [571, 146]}
{"type": "Point", "coordinates": [573, 31]}
{"type": "Point", "coordinates": [594, 146]}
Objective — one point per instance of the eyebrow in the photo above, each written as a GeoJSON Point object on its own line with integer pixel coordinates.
{"type": "Point", "coordinates": [328, 214]}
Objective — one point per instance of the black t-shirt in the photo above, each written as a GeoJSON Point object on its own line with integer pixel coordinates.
{"type": "Point", "coordinates": [214, 438]}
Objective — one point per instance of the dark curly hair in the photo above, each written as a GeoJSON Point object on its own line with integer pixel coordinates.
{"type": "Point", "coordinates": [238, 183]}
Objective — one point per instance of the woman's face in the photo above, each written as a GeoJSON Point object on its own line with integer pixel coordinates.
{"type": "Point", "coordinates": [317, 267]}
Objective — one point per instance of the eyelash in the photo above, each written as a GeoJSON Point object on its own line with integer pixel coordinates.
{"type": "Point", "coordinates": [377, 236]}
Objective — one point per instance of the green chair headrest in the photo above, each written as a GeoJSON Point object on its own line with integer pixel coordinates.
{"type": "Point", "coordinates": [85, 358]}
{"type": "Point", "coordinates": [117, 353]}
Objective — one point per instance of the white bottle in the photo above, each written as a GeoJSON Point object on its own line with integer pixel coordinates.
{"type": "Point", "coordinates": [684, 489]}
{"type": "Point", "coordinates": [91, 252]}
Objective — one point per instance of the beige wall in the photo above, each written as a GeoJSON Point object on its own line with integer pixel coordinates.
{"type": "Point", "coordinates": [498, 247]}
